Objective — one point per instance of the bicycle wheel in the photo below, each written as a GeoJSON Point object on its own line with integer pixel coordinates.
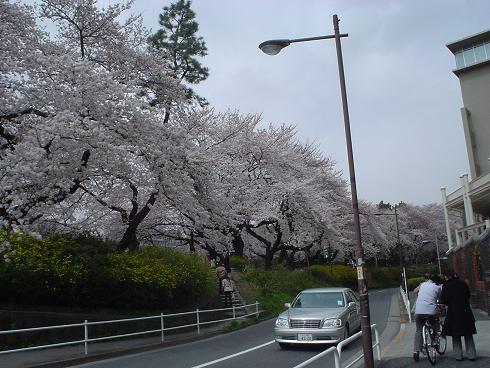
{"type": "Point", "coordinates": [429, 347]}
{"type": "Point", "coordinates": [441, 345]}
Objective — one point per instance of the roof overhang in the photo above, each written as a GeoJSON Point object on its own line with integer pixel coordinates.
{"type": "Point", "coordinates": [461, 43]}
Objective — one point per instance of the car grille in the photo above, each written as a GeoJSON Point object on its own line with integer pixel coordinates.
{"type": "Point", "coordinates": [305, 323]}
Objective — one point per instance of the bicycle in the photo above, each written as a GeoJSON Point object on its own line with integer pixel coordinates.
{"type": "Point", "coordinates": [433, 342]}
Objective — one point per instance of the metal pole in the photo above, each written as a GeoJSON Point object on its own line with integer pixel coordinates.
{"type": "Point", "coordinates": [400, 249]}
{"type": "Point", "coordinates": [398, 239]}
{"type": "Point", "coordinates": [197, 319]}
{"type": "Point", "coordinates": [85, 330]}
{"type": "Point", "coordinates": [376, 335]}
{"type": "Point", "coordinates": [367, 343]}
{"type": "Point", "coordinates": [336, 359]}
{"type": "Point", "coordinates": [404, 275]}
{"type": "Point", "coordinates": [438, 258]}
{"type": "Point", "coordinates": [162, 326]}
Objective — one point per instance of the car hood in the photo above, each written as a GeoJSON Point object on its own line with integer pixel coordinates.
{"type": "Point", "coordinates": [312, 313]}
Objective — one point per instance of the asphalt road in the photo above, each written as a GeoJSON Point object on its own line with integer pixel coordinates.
{"type": "Point", "coordinates": [249, 347]}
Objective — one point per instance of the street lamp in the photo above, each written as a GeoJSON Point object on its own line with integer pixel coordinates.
{"type": "Point", "coordinates": [273, 47]}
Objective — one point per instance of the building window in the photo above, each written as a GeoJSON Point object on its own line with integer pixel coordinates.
{"type": "Point", "coordinates": [459, 59]}
{"type": "Point", "coordinates": [487, 49]}
{"type": "Point", "coordinates": [469, 56]}
{"type": "Point", "coordinates": [480, 53]}
{"type": "Point", "coordinates": [472, 54]}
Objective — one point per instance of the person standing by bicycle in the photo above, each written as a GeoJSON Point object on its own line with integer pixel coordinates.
{"type": "Point", "coordinates": [459, 319]}
{"type": "Point", "coordinates": [425, 309]}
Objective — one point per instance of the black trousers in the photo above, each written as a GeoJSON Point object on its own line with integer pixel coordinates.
{"type": "Point", "coordinates": [228, 298]}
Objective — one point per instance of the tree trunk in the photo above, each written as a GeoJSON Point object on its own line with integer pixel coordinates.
{"type": "Point", "coordinates": [192, 246]}
{"type": "Point", "coordinates": [268, 258]}
{"type": "Point", "coordinates": [129, 240]}
{"type": "Point", "coordinates": [237, 243]}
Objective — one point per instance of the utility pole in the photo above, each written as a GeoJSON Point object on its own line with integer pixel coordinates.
{"type": "Point", "coordinates": [273, 47]}
{"type": "Point", "coordinates": [367, 343]}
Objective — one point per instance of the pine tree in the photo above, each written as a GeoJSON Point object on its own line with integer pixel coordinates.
{"type": "Point", "coordinates": [177, 42]}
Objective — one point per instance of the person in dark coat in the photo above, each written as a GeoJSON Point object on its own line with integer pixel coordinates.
{"type": "Point", "coordinates": [459, 319]}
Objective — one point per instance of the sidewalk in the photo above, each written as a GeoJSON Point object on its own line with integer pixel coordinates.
{"type": "Point", "coordinates": [398, 353]}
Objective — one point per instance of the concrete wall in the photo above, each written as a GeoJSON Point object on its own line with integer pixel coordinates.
{"type": "Point", "coordinates": [475, 89]}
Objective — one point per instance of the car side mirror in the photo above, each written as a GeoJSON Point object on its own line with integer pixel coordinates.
{"type": "Point", "coordinates": [351, 304]}
{"type": "Point", "coordinates": [287, 305]}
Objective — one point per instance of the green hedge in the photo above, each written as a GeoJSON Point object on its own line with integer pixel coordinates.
{"type": "Point", "coordinates": [84, 271]}
{"type": "Point", "coordinates": [336, 275]}
{"type": "Point", "coordinates": [280, 285]}
{"type": "Point", "coordinates": [413, 282]}
{"type": "Point", "coordinates": [238, 263]}
{"type": "Point", "coordinates": [275, 287]}
{"type": "Point", "coordinates": [383, 277]}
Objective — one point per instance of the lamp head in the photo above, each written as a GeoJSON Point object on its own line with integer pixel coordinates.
{"type": "Point", "coordinates": [272, 47]}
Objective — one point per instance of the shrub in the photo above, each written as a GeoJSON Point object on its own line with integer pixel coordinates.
{"type": "Point", "coordinates": [86, 271]}
{"type": "Point", "coordinates": [278, 286]}
{"type": "Point", "coordinates": [383, 277]}
{"type": "Point", "coordinates": [421, 269]}
{"type": "Point", "coordinates": [238, 262]}
{"type": "Point", "coordinates": [413, 282]}
{"type": "Point", "coordinates": [336, 275]}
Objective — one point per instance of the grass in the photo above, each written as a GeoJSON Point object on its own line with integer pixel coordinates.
{"type": "Point", "coordinates": [278, 286]}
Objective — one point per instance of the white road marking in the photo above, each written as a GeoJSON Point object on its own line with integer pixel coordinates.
{"type": "Point", "coordinates": [234, 355]}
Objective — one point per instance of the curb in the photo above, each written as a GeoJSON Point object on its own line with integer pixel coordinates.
{"type": "Point", "coordinates": [116, 353]}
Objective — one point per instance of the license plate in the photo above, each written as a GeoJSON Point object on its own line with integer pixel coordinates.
{"type": "Point", "coordinates": [305, 337]}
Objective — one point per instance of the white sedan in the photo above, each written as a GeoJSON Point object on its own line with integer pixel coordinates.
{"type": "Point", "coordinates": [318, 316]}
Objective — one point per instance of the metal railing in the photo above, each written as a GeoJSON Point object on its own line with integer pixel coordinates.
{"type": "Point", "coordinates": [406, 303]}
{"type": "Point", "coordinates": [337, 351]}
{"type": "Point", "coordinates": [86, 324]}
{"type": "Point", "coordinates": [463, 234]}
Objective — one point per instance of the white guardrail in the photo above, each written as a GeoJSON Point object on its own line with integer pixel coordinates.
{"type": "Point", "coordinates": [86, 324]}
{"type": "Point", "coordinates": [406, 303]}
{"type": "Point", "coordinates": [337, 351]}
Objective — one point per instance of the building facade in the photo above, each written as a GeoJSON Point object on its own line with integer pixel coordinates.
{"type": "Point", "coordinates": [469, 245]}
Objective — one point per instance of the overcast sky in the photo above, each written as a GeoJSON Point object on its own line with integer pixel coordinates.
{"type": "Point", "coordinates": [403, 98]}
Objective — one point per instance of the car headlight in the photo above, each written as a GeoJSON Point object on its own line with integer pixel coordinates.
{"type": "Point", "coordinates": [282, 322]}
{"type": "Point", "coordinates": [332, 322]}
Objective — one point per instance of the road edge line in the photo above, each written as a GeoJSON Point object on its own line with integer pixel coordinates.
{"type": "Point", "coordinates": [233, 355]}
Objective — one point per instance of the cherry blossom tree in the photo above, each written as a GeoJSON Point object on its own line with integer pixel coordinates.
{"type": "Point", "coordinates": [78, 133]}
{"type": "Point", "coordinates": [85, 148]}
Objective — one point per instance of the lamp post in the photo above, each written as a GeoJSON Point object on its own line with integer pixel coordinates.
{"type": "Point", "coordinates": [273, 47]}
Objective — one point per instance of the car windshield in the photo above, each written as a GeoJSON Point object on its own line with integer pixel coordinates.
{"type": "Point", "coordinates": [319, 300]}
